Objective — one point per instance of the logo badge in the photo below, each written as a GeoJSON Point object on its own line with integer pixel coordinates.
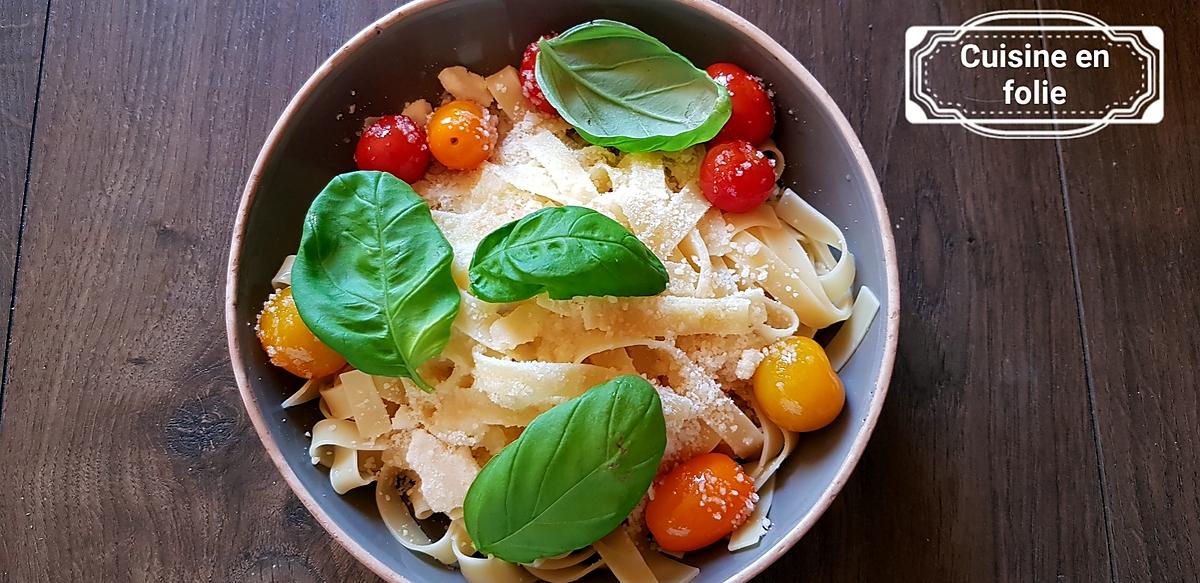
{"type": "Point", "coordinates": [1034, 74]}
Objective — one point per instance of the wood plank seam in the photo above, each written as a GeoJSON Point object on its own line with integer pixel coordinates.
{"type": "Point", "coordinates": [1077, 283]}
{"type": "Point", "coordinates": [984, 408]}
{"type": "Point", "coordinates": [1087, 361]}
{"type": "Point", "coordinates": [12, 303]}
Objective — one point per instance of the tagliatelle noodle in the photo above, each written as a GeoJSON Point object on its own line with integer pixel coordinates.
{"type": "Point", "coordinates": [786, 250]}
{"type": "Point", "coordinates": [738, 282]}
{"type": "Point", "coordinates": [283, 277]}
{"type": "Point", "coordinates": [776, 155]}
{"type": "Point", "coordinates": [454, 546]}
{"type": "Point", "coordinates": [853, 330]}
{"type": "Point", "coordinates": [335, 402]}
{"type": "Point", "coordinates": [622, 557]}
{"type": "Point", "coordinates": [566, 574]}
{"type": "Point", "coordinates": [400, 522]}
{"type": "Point", "coordinates": [723, 415]}
{"type": "Point", "coordinates": [796, 212]}
{"type": "Point", "coordinates": [420, 507]}
{"type": "Point", "coordinates": [778, 444]}
{"type": "Point", "coordinates": [336, 445]}
{"type": "Point", "coordinates": [563, 561]}
{"type": "Point", "coordinates": [666, 569]}
{"type": "Point", "coordinates": [784, 282]}
{"type": "Point", "coordinates": [616, 359]}
{"type": "Point", "coordinates": [505, 87]}
{"type": "Point", "coordinates": [519, 385]}
{"type": "Point", "coordinates": [757, 524]}
{"type": "Point", "coordinates": [658, 217]}
{"type": "Point", "coordinates": [311, 389]}
{"type": "Point", "coordinates": [365, 404]}
{"type": "Point", "coordinates": [698, 261]}
{"type": "Point", "coordinates": [572, 183]}
{"type": "Point", "coordinates": [465, 85]}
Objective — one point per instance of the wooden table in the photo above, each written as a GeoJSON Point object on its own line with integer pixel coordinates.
{"type": "Point", "coordinates": [1042, 420]}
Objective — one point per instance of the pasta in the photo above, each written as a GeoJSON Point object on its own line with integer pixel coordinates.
{"type": "Point", "coordinates": [738, 283]}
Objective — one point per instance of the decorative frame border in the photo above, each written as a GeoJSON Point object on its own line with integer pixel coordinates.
{"type": "Point", "coordinates": [924, 107]}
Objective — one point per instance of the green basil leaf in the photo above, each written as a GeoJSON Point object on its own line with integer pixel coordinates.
{"type": "Point", "coordinates": [621, 87]}
{"type": "Point", "coordinates": [572, 477]}
{"type": "Point", "coordinates": [566, 251]}
{"type": "Point", "coordinates": [372, 276]}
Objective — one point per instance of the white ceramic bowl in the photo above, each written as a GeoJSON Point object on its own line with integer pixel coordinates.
{"type": "Point", "coordinates": [396, 59]}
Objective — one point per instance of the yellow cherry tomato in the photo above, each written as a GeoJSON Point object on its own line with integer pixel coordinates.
{"type": "Point", "coordinates": [289, 343]}
{"type": "Point", "coordinates": [461, 135]}
{"type": "Point", "coordinates": [796, 387]}
{"type": "Point", "coordinates": [699, 503]}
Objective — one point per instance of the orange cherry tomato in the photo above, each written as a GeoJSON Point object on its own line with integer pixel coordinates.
{"type": "Point", "coordinates": [699, 502]}
{"type": "Point", "coordinates": [461, 134]}
{"type": "Point", "coordinates": [796, 387]}
{"type": "Point", "coordinates": [290, 344]}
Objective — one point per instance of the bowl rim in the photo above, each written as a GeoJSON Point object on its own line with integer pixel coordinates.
{"type": "Point", "coordinates": [730, 18]}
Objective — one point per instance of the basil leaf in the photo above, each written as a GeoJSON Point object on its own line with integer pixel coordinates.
{"type": "Point", "coordinates": [566, 251]}
{"type": "Point", "coordinates": [621, 87]}
{"type": "Point", "coordinates": [372, 277]}
{"type": "Point", "coordinates": [572, 477]}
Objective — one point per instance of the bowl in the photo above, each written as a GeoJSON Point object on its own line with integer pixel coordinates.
{"type": "Point", "coordinates": [396, 59]}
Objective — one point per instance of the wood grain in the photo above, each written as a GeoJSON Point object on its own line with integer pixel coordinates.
{"type": "Point", "coordinates": [1135, 212]}
{"type": "Point", "coordinates": [22, 28]}
{"type": "Point", "coordinates": [128, 455]}
{"type": "Point", "coordinates": [983, 465]}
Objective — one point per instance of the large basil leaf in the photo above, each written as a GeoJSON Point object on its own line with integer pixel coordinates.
{"type": "Point", "coordinates": [566, 251]}
{"type": "Point", "coordinates": [621, 87]}
{"type": "Point", "coordinates": [572, 477]}
{"type": "Point", "coordinates": [372, 277]}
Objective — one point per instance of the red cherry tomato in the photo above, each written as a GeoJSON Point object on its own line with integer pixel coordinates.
{"type": "Point", "coordinates": [529, 84]}
{"type": "Point", "coordinates": [753, 117]}
{"type": "Point", "coordinates": [394, 144]}
{"type": "Point", "coordinates": [736, 177]}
